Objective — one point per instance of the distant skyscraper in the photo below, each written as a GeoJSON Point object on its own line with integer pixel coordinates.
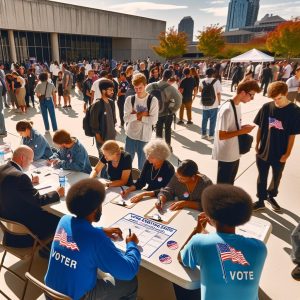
{"type": "Point", "coordinates": [187, 25]}
{"type": "Point", "coordinates": [242, 13]}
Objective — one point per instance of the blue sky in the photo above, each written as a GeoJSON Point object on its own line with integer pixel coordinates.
{"type": "Point", "coordinates": [204, 12]}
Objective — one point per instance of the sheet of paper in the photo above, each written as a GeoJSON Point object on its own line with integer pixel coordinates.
{"type": "Point", "coordinates": [254, 229]}
{"type": "Point", "coordinates": [164, 215]}
{"type": "Point", "coordinates": [152, 235]}
{"type": "Point", "coordinates": [119, 200]}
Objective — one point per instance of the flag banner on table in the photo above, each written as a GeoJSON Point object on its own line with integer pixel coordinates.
{"type": "Point", "coordinates": [65, 240]}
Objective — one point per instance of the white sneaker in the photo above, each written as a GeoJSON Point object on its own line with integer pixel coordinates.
{"type": "Point", "coordinates": [203, 136]}
{"type": "Point", "coordinates": [210, 138]}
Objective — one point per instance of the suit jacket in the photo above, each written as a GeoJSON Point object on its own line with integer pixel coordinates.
{"type": "Point", "coordinates": [20, 201]}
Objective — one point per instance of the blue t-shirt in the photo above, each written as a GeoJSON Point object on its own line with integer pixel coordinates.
{"type": "Point", "coordinates": [78, 249]}
{"type": "Point", "coordinates": [230, 265]}
{"type": "Point", "coordinates": [38, 144]}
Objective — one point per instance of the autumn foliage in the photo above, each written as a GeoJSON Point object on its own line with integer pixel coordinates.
{"type": "Point", "coordinates": [285, 39]}
{"type": "Point", "coordinates": [172, 44]}
{"type": "Point", "coordinates": [210, 41]}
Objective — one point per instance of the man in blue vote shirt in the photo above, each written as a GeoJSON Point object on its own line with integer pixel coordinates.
{"type": "Point", "coordinates": [79, 249]}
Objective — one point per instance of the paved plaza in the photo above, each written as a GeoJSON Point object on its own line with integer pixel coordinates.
{"type": "Point", "coordinates": [276, 282]}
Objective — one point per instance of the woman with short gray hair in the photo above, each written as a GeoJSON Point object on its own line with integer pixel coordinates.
{"type": "Point", "coordinates": [157, 171]}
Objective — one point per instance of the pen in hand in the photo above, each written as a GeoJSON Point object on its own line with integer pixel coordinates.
{"type": "Point", "coordinates": [129, 232]}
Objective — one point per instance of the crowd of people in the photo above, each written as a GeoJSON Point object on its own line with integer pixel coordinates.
{"type": "Point", "coordinates": [148, 95]}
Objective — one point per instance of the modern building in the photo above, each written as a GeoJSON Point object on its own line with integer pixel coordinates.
{"type": "Point", "coordinates": [46, 30]}
{"type": "Point", "coordinates": [242, 13]}
{"type": "Point", "coordinates": [187, 25]}
{"type": "Point", "coordinates": [260, 28]}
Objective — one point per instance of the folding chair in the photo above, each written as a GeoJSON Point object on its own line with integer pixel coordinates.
{"type": "Point", "coordinates": [93, 160]}
{"type": "Point", "coordinates": [15, 228]}
{"type": "Point", "coordinates": [52, 294]}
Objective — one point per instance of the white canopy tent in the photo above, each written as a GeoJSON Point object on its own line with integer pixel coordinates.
{"type": "Point", "coordinates": [253, 55]}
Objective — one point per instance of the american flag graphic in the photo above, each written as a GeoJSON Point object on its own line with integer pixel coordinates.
{"type": "Point", "coordinates": [172, 245]}
{"type": "Point", "coordinates": [275, 123]}
{"type": "Point", "coordinates": [229, 253]}
{"type": "Point", "coordinates": [165, 259]}
{"type": "Point", "coordinates": [65, 240]}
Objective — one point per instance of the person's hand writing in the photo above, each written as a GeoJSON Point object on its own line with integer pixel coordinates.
{"type": "Point", "coordinates": [132, 238]}
{"type": "Point", "coordinates": [113, 233]}
{"type": "Point", "coordinates": [202, 221]}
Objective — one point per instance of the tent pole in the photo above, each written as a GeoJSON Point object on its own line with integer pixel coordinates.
{"type": "Point", "coordinates": [229, 71]}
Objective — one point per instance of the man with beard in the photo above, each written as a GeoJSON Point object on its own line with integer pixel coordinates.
{"type": "Point", "coordinates": [22, 203]}
{"type": "Point", "coordinates": [73, 265]}
{"type": "Point", "coordinates": [103, 114]}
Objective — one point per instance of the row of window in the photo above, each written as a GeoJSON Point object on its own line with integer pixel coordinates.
{"type": "Point", "coordinates": [71, 47]}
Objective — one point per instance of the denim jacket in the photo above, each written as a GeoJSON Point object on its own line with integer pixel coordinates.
{"type": "Point", "coordinates": [38, 144]}
{"type": "Point", "coordinates": [75, 158]}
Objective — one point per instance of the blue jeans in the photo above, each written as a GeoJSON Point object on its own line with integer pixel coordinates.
{"type": "Point", "coordinates": [136, 146]}
{"type": "Point", "coordinates": [211, 115]}
{"type": "Point", "coordinates": [48, 106]}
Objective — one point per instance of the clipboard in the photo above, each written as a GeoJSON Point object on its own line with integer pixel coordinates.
{"type": "Point", "coordinates": [126, 202]}
{"type": "Point", "coordinates": [165, 216]}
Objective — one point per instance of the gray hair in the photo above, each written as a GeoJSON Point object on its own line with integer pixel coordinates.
{"type": "Point", "coordinates": [158, 149]}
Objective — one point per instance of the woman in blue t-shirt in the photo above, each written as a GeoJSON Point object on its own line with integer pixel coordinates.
{"type": "Point", "coordinates": [118, 164]}
{"type": "Point", "coordinates": [33, 139]}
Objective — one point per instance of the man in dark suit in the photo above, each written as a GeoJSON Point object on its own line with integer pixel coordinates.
{"type": "Point", "coordinates": [21, 202]}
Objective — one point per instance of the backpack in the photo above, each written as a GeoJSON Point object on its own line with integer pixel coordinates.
{"type": "Point", "coordinates": [149, 100]}
{"type": "Point", "coordinates": [86, 123]}
{"type": "Point", "coordinates": [163, 103]}
{"type": "Point", "coordinates": [208, 95]}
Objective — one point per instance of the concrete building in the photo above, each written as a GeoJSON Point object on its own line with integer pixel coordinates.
{"type": "Point", "coordinates": [187, 25]}
{"type": "Point", "coordinates": [47, 30]}
{"type": "Point", "coordinates": [242, 13]}
{"type": "Point", "coordinates": [260, 28]}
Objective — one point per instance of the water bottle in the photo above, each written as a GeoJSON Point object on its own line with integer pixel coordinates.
{"type": "Point", "coordinates": [2, 160]}
{"type": "Point", "coordinates": [62, 178]}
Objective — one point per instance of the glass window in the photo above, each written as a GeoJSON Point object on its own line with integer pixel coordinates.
{"type": "Point", "coordinates": [37, 38]}
{"type": "Point", "coordinates": [62, 40]}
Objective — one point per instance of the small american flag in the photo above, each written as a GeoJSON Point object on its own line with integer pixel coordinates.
{"type": "Point", "coordinates": [165, 259]}
{"type": "Point", "coordinates": [275, 123]}
{"type": "Point", "coordinates": [65, 240]}
{"type": "Point", "coordinates": [229, 253]}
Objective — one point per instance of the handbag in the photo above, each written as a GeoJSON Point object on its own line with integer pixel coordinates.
{"type": "Point", "coordinates": [245, 140]}
{"type": "Point", "coordinates": [42, 97]}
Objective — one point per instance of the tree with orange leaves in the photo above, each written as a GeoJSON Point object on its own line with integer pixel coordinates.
{"type": "Point", "coordinates": [285, 39]}
{"type": "Point", "coordinates": [210, 40]}
{"type": "Point", "coordinates": [172, 44]}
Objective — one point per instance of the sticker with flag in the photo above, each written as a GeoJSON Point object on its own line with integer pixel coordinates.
{"type": "Point", "coordinates": [229, 253]}
{"type": "Point", "coordinates": [165, 259]}
{"type": "Point", "coordinates": [65, 240]}
{"type": "Point", "coordinates": [274, 123]}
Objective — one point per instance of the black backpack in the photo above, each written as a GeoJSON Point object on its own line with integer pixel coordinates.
{"type": "Point", "coordinates": [149, 100]}
{"type": "Point", "coordinates": [86, 123]}
{"type": "Point", "coordinates": [208, 95]}
{"type": "Point", "coordinates": [158, 93]}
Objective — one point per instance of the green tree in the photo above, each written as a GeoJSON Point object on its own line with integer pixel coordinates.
{"type": "Point", "coordinates": [210, 40]}
{"type": "Point", "coordinates": [285, 39]}
{"type": "Point", "coordinates": [172, 44]}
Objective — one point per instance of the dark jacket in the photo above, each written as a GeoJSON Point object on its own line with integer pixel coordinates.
{"type": "Point", "coordinates": [21, 202]}
{"type": "Point", "coordinates": [98, 117]}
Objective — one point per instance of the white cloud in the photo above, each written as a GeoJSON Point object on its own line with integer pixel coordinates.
{"type": "Point", "coordinates": [216, 11]}
{"type": "Point", "coordinates": [134, 7]}
{"type": "Point", "coordinates": [217, 2]}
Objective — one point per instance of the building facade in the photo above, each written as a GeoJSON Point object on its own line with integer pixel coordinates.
{"type": "Point", "coordinates": [241, 13]}
{"type": "Point", "coordinates": [46, 31]}
{"type": "Point", "coordinates": [187, 25]}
